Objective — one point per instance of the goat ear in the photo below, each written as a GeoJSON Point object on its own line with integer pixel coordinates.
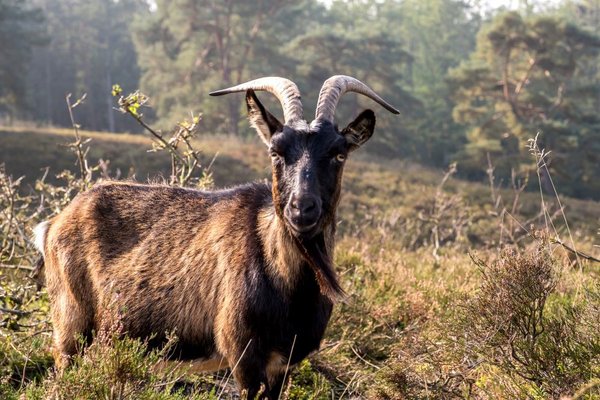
{"type": "Point", "coordinates": [260, 119]}
{"type": "Point", "coordinates": [360, 130]}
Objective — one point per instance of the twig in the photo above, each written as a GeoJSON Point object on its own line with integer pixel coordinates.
{"type": "Point", "coordinates": [576, 252]}
{"type": "Point", "coordinates": [287, 367]}
{"type": "Point", "coordinates": [20, 313]}
{"type": "Point", "coordinates": [540, 155]}
{"type": "Point", "coordinates": [184, 162]}
{"type": "Point", "coordinates": [363, 360]}
{"type": "Point", "coordinates": [23, 267]}
{"type": "Point", "coordinates": [157, 136]}
{"type": "Point", "coordinates": [77, 145]}
{"type": "Point", "coordinates": [224, 384]}
{"type": "Point", "coordinates": [594, 383]}
{"type": "Point", "coordinates": [39, 332]}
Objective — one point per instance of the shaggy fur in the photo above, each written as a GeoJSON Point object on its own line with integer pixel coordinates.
{"type": "Point", "coordinates": [237, 275]}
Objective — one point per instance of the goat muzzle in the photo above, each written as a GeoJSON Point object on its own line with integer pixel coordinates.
{"type": "Point", "coordinates": [303, 213]}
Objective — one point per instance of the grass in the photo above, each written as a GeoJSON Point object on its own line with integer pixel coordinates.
{"type": "Point", "coordinates": [389, 192]}
{"type": "Point", "coordinates": [29, 151]}
{"type": "Point", "coordinates": [453, 291]}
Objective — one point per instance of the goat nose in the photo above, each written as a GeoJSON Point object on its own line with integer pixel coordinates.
{"type": "Point", "coordinates": [303, 204]}
{"type": "Point", "coordinates": [303, 212]}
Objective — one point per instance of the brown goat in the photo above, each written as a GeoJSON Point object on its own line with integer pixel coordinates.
{"type": "Point", "coordinates": [243, 275]}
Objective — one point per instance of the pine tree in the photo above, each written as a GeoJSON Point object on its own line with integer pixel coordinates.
{"type": "Point", "coordinates": [526, 76]}
{"type": "Point", "coordinates": [21, 28]}
{"type": "Point", "coordinates": [190, 47]}
{"type": "Point", "coordinates": [90, 49]}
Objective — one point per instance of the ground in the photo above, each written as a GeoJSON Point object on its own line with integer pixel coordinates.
{"type": "Point", "coordinates": [455, 289]}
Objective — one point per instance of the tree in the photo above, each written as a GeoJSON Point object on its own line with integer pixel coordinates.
{"type": "Point", "coordinates": [439, 34]}
{"type": "Point", "coordinates": [526, 76]}
{"type": "Point", "coordinates": [188, 48]}
{"type": "Point", "coordinates": [91, 48]}
{"type": "Point", "coordinates": [354, 38]}
{"type": "Point", "coordinates": [403, 49]}
{"type": "Point", "coordinates": [21, 29]}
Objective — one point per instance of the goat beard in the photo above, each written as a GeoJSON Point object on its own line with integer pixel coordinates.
{"type": "Point", "coordinates": [316, 255]}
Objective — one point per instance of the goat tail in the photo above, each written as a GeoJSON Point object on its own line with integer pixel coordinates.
{"type": "Point", "coordinates": [39, 236]}
{"type": "Point", "coordinates": [39, 240]}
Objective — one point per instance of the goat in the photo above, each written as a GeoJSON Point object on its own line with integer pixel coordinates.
{"type": "Point", "coordinates": [243, 276]}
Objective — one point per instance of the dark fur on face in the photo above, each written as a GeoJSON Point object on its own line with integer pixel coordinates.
{"type": "Point", "coordinates": [307, 166]}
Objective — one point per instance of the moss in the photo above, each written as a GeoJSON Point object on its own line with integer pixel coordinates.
{"type": "Point", "coordinates": [306, 383]}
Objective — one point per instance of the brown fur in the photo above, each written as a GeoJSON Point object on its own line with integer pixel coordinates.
{"type": "Point", "coordinates": [243, 276]}
{"type": "Point", "coordinates": [162, 260]}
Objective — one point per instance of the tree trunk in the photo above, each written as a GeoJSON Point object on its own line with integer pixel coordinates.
{"type": "Point", "coordinates": [234, 115]}
{"type": "Point", "coordinates": [109, 100]}
{"type": "Point", "coordinates": [109, 63]}
{"type": "Point", "coordinates": [48, 94]}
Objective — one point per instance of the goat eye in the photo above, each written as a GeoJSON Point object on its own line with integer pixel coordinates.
{"type": "Point", "coordinates": [274, 154]}
{"type": "Point", "coordinates": [340, 157]}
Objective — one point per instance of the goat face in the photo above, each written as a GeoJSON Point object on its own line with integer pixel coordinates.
{"type": "Point", "coordinates": [307, 168]}
{"type": "Point", "coordinates": [307, 164]}
{"type": "Point", "coordinates": [307, 159]}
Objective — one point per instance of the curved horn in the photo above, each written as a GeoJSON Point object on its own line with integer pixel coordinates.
{"type": "Point", "coordinates": [335, 87]}
{"type": "Point", "coordinates": [285, 90]}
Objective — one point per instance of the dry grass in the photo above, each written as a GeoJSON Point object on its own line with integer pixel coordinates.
{"type": "Point", "coordinates": [424, 319]}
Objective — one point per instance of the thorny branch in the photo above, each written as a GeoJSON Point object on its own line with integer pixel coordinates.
{"type": "Point", "coordinates": [185, 163]}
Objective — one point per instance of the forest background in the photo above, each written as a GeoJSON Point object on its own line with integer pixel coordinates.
{"type": "Point", "coordinates": [474, 82]}
{"type": "Point", "coordinates": [467, 235]}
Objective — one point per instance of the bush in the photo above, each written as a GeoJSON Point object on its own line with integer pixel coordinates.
{"type": "Point", "coordinates": [518, 323]}
{"type": "Point", "coordinates": [116, 367]}
{"type": "Point", "coordinates": [522, 333]}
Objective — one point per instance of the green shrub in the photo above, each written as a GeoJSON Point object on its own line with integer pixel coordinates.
{"type": "Point", "coordinates": [519, 323]}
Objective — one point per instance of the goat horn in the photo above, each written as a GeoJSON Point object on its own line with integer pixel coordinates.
{"type": "Point", "coordinates": [285, 90]}
{"type": "Point", "coordinates": [335, 87]}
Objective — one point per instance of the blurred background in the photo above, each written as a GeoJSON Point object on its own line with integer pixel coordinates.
{"type": "Point", "coordinates": [468, 276]}
{"type": "Point", "coordinates": [474, 80]}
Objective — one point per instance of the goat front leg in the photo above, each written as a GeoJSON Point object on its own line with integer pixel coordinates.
{"type": "Point", "coordinates": [259, 384]}
{"type": "Point", "coordinates": [242, 350]}
{"type": "Point", "coordinates": [252, 379]}
{"type": "Point", "coordinates": [277, 383]}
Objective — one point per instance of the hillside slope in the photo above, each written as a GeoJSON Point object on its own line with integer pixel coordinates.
{"type": "Point", "coordinates": [454, 291]}
{"type": "Point", "coordinates": [387, 188]}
